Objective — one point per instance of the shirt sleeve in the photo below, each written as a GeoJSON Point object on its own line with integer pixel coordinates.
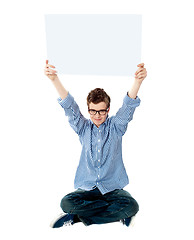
{"type": "Point", "coordinates": [125, 114]}
{"type": "Point", "coordinates": [76, 120]}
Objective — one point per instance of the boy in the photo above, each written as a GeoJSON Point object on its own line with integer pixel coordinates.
{"type": "Point", "coordinates": [101, 175]}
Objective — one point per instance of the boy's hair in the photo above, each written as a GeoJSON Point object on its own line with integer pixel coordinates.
{"type": "Point", "coordinates": [98, 95]}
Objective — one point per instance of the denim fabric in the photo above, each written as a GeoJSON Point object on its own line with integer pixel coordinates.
{"type": "Point", "coordinates": [101, 163]}
{"type": "Point", "coordinates": [92, 207]}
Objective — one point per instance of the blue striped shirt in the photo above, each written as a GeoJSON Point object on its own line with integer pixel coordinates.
{"type": "Point", "coordinates": [101, 164]}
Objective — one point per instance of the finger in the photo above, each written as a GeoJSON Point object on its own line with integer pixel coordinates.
{"type": "Point", "coordinates": [49, 65]}
{"type": "Point", "coordinates": [50, 71]}
{"type": "Point", "coordinates": [140, 76]}
{"type": "Point", "coordinates": [47, 72]}
{"type": "Point", "coordinates": [140, 70]}
{"type": "Point", "coordinates": [141, 65]}
{"type": "Point", "coordinates": [144, 72]}
{"type": "Point", "coordinates": [46, 64]}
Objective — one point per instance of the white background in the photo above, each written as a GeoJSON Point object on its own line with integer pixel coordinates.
{"type": "Point", "coordinates": [40, 152]}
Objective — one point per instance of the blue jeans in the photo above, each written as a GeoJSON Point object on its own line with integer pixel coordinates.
{"type": "Point", "coordinates": [91, 207]}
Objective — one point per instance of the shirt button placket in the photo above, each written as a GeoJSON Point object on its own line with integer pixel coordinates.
{"type": "Point", "coordinates": [98, 155]}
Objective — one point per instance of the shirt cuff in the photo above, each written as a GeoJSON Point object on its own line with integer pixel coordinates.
{"type": "Point", "coordinates": [131, 101]}
{"type": "Point", "coordinates": [66, 102]}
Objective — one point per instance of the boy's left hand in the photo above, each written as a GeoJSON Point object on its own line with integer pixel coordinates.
{"type": "Point", "coordinates": [141, 73]}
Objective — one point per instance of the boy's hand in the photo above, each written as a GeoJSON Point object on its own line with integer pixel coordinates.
{"type": "Point", "coordinates": [50, 73]}
{"type": "Point", "coordinates": [141, 73]}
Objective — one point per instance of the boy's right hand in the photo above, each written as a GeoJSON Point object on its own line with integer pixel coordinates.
{"type": "Point", "coordinates": [50, 73]}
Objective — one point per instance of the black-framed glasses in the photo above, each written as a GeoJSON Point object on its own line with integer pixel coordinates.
{"type": "Point", "coordinates": [100, 112]}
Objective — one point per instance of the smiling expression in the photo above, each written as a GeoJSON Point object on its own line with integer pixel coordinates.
{"type": "Point", "coordinates": [98, 119]}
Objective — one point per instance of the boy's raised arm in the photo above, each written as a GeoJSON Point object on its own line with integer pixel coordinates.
{"type": "Point", "coordinates": [140, 75]}
{"type": "Point", "coordinates": [51, 74]}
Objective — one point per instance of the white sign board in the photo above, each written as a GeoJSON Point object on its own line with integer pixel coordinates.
{"type": "Point", "coordinates": [94, 44]}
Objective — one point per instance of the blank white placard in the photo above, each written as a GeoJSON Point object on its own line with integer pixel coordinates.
{"type": "Point", "coordinates": [94, 44]}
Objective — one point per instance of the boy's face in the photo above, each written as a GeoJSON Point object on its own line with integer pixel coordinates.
{"type": "Point", "coordinates": [98, 119]}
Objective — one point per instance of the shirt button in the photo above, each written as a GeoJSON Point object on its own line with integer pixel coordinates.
{"type": "Point", "coordinates": [98, 175]}
{"type": "Point", "coordinates": [97, 183]}
{"type": "Point", "coordinates": [98, 160]}
{"type": "Point", "coordinates": [99, 130]}
{"type": "Point", "coordinates": [98, 140]}
{"type": "Point", "coordinates": [98, 150]}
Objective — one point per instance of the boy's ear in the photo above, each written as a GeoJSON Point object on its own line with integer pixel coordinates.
{"type": "Point", "coordinates": [108, 110]}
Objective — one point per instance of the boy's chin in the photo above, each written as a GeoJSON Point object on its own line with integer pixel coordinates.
{"type": "Point", "coordinates": [97, 123]}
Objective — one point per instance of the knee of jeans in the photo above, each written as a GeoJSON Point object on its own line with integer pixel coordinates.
{"type": "Point", "coordinates": [66, 204]}
{"type": "Point", "coordinates": [132, 207]}
{"type": "Point", "coordinates": [135, 206]}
